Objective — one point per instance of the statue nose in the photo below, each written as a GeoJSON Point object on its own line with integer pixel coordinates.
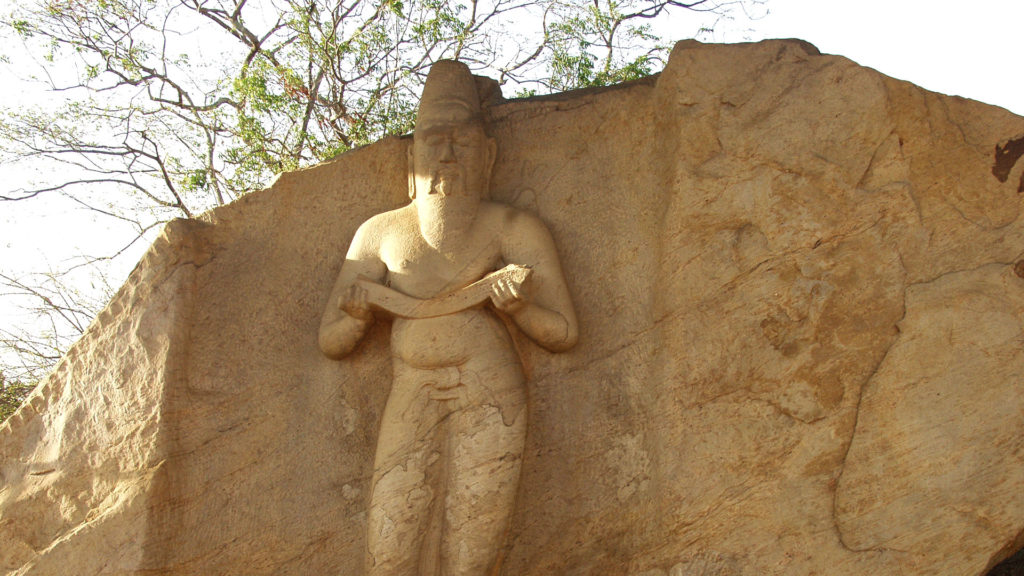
{"type": "Point", "coordinates": [447, 152]}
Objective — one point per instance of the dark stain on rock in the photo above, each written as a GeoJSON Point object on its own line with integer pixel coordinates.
{"type": "Point", "coordinates": [1018, 268]}
{"type": "Point", "coordinates": [1012, 566]}
{"type": "Point", "coordinates": [1007, 155]}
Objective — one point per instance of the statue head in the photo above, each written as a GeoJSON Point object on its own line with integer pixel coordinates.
{"type": "Point", "coordinates": [451, 155]}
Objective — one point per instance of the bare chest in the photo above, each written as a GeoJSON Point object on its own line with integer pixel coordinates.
{"type": "Point", "coordinates": [423, 271]}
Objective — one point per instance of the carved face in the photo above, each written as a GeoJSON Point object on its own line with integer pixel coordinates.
{"type": "Point", "coordinates": [451, 160]}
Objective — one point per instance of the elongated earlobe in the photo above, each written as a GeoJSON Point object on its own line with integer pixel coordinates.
{"type": "Point", "coordinates": [492, 155]}
{"type": "Point", "coordinates": [411, 171]}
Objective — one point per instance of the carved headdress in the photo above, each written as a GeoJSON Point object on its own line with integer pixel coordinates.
{"type": "Point", "coordinates": [449, 96]}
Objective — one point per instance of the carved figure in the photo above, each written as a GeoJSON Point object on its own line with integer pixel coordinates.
{"type": "Point", "coordinates": [452, 434]}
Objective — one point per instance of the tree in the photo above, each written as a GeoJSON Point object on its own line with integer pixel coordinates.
{"type": "Point", "coordinates": [66, 309]}
{"type": "Point", "coordinates": [12, 394]}
{"type": "Point", "coordinates": [176, 106]}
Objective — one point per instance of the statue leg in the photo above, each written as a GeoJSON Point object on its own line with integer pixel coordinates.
{"type": "Point", "coordinates": [486, 440]}
{"type": "Point", "coordinates": [404, 480]}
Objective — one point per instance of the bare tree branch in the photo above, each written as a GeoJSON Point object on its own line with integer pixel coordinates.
{"type": "Point", "coordinates": [182, 105]}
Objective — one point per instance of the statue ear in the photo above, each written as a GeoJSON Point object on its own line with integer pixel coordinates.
{"type": "Point", "coordinates": [492, 154]}
{"type": "Point", "coordinates": [412, 172]}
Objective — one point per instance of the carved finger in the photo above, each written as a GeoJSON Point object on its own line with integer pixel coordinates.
{"type": "Point", "coordinates": [505, 292]}
{"type": "Point", "coordinates": [355, 302]}
{"type": "Point", "coordinates": [516, 291]}
{"type": "Point", "coordinates": [505, 297]}
{"type": "Point", "coordinates": [360, 294]}
{"type": "Point", "coordinates": [513, 290]}
{"type": "Point", "coordinates": [498, 297]}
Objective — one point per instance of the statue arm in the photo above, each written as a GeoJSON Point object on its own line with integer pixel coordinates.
{"type": "Point", "coordinates": [347, 316]}
{"type": "Point", "coordinates": [542, 309]}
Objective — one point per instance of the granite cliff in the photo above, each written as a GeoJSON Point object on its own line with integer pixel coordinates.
{"type": "Point", "coordinates": [800, 289]}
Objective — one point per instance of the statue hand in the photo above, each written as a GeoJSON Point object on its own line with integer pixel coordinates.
{"type": "Point", "coordinates": [353, 302]}
{"type": "Point", "coordinates": [509, 297]}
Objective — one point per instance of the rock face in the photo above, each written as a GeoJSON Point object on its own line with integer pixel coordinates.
{"type": "Point", "coordinates": [800, 289]}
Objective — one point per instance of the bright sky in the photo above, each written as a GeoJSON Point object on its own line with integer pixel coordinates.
{"type": "Point", "coordinates": [954, 47]}
{"type": "Point", "coordinates": [942, 45]}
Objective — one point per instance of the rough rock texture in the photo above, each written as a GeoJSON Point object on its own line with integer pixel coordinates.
{"type": "Point", "coordinates": [801, 297]}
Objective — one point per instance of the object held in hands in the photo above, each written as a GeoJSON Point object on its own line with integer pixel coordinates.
{"type": "Point", "coordinates": [382, 298]}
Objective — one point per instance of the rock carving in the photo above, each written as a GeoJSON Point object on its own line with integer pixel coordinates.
{"type": "Point", "coordinates": [452, 434]}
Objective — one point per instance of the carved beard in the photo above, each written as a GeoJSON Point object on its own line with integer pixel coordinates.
{"type": "Point", "coordinates": [447, 211]}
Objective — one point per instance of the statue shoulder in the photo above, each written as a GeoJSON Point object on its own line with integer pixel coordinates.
{"type": "Point", "coordinates": [379, 224]}
{"type": "Point", "coordinates": [516, 223]}
{"type": "Point", "coordinates": [374, 230]}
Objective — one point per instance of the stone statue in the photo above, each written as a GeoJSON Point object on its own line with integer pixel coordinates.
{"type": "Point", "coordinates": [448, 266]}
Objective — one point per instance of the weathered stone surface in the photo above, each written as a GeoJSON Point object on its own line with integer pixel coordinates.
{"type": "Point", "coordinates": [800, 317]}
{"type": "Point", "coordinates": [81, 460]}
{"type": "Point", "coordinates": [937, 451]}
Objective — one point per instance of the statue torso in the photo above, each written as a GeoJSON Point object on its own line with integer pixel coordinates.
{"type": "Point", "coordinates": [420, 270]}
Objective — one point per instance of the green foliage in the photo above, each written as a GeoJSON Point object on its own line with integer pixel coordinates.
{"type": "Point", "coordinates": [12, 394]}
{"type": "Point", "coordinates": [22, 27]}
{"type": "Point", "coordinates": [299, 81]}
{"type": "Point", "coordinates": [588, 48]}
{"type": "Point", "coordinates": [207, 99]}
{"type": "Point", "coordinates": [177, 106]}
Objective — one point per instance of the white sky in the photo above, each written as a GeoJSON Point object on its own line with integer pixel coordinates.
{"type": "Point", "coordinates": [970, 49]}
{"type": "Point", "coordinates": [948, 46]}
